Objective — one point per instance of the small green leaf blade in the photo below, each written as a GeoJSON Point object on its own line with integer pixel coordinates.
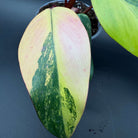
{"type": "Point", "coordinates": [87, 24]}
{"type": "Point", "coordinates": [119, 18]}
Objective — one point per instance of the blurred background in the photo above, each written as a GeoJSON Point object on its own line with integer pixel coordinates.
{"type": "Point", "coordinates": [112, 105]}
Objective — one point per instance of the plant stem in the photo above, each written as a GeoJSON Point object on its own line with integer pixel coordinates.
{"type": "Point", "coordinates": [88, 9]}
{"type": "Point", "coordinates": [65, 3]}
{"type": "Point", "coordinates": [70, 4]}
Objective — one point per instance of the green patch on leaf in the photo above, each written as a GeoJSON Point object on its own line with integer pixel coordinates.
{"type": "Point", "coordinates": [70, 104]}
{"type": "Point", "coordinates": [45, 90]}
{"type": "Point", "coordinates": [133, 2]}
{"type": "Point", "coordinates": [133, 6]}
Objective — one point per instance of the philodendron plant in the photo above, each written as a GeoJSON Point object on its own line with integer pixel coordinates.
{"type": "Point", "coordinates": [55, 58]}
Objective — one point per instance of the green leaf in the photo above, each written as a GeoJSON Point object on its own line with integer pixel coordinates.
{"type": "Point", "coordinates": [119, 19]}
{"type": "Point", "coordinates": [87, 24]}
{"type": "Point", "coordinates": [54, 58]}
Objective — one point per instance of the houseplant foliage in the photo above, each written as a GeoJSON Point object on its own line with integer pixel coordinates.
{"type": "Point", "coordinates": [119, 18]}
{"type": "Point", "coordinates": [54, 57]}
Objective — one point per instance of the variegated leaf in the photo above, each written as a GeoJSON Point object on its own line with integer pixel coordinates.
{"type": "Point", "coordinates": [54, 57]}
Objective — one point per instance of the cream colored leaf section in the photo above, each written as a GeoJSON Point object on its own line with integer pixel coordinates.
{"type": "Point", "coordinates": [31, 45]}
{"type": "Point", "coordinates": [73, 55]}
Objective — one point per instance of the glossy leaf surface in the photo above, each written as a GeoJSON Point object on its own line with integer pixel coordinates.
{"type": "Point", "coordinates": [54, 57]}
{"type": "Point", "coordinates": [119, 19]}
